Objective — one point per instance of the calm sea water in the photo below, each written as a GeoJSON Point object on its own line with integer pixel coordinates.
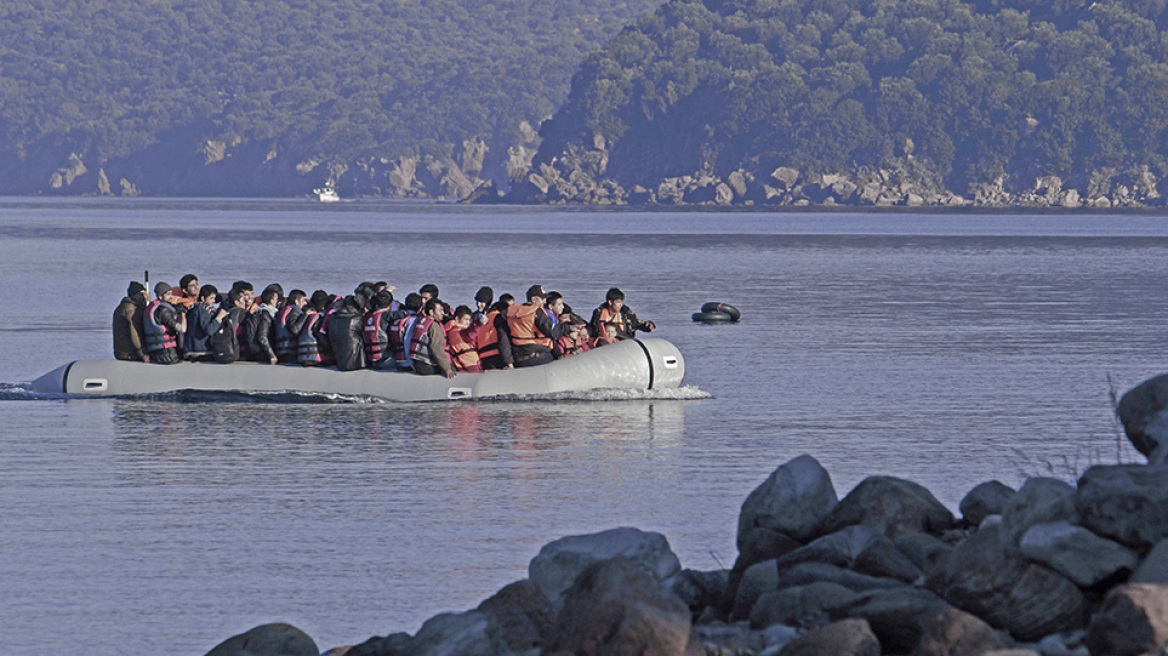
{"type": "Point", "coordinates": [944, 349]}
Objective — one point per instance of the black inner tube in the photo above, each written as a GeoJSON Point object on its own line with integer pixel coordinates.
{"type": "Point", "coordinates": [726, 308]}
{"type": "Point", "coordinates": [713, 317]}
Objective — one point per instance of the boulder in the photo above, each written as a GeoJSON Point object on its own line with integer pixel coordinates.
{"type": "Point", "coordinates": [1077, 553]}
{"type": "Point", "coordinates": [861, 548]}
{"type": "Point", "coordinates": [617, 607]}
{"type": "Point", "coordinates": [699, 590]}
{"type": "Point", "coordinates": [1039, 501]}
{"type": "Point", "coordinates": [851, 637]}
{"type": "Point", "coordinates": [1127, 503]}
{"type": "Point", "coordinates": [894, 615]}
{"type": "Point", "coordinates": [953, 632]}
{"type": "Point", "coordinates": [793, 501]}
{"type": "Point", "coordinates": [473, 633]}
{"type": "Point", "coordinates": [560, 562]}
{"type": "Point", "coordinates": [922, 549]}
{"type": "Point", "coordinates": [983, 577]}
{"type": "Point", "coordinates": [1154, 568]}
{"type": "Point", "coordinates": [723, 194]}
{"type": "Point", "coordinates": [891, 505]}
{"type": "Point", "coordinates": [737, 182]}
{"type": "Point", "coordinates": [989, 498]}
{"type": "Point", "coordinates": [1132, 620]}
{"type": "Point", "coordinates": [758, 579]}
{"type": "Point", "coordinates": [785, 176]}
{"type": "Point", "coordinates": [801, 605]}
{"type": "Point", "coordinates": [761, 544]}
{"type": "Point", "coordinates": [522, 613]}
{"type": "Point", "coordinates": [1143, 411]}
{"type": "Point", "coordinates": [806, 573]}
{"type": "Point", "coordinates": [268, 640]}
{"type": "Point", "coordinates": [396, 644]}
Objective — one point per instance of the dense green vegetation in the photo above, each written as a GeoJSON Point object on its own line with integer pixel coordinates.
{"type": "Point", "coordinates": [108, 78]}
{"type": "Point", "coordinates": [980, 88]}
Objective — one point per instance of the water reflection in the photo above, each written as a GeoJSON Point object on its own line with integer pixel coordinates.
{"type": "Point", "coordinates": [180, 439]}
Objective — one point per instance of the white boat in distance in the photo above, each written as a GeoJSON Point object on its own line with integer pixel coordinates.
{"type": "Point", "coordinates": [326, 194]}
{"type": "Point", "coordinates": [636, 364]}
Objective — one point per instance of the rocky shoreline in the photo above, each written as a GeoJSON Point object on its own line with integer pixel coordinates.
{"type": "Point", "coordinates": [1049, 569]}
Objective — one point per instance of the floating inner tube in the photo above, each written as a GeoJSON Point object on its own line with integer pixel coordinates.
{"type": "Point", "coordinates": [713, 317]}
{"type": "Point", "coordinates": [735, 315]}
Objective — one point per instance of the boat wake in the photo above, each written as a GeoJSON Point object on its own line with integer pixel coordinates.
{"type": "Point", "coordinates": [17, 392]}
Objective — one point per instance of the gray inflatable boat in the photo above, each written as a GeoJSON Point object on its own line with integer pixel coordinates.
{"type": "Point", "coordinates": [638, 364]}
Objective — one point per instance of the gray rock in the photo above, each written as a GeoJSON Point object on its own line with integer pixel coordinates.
{"type": "Point", "coordinates": [1127, 503]}
{"type": "Point", "coordinates": [1039, 501]}
{"type": "Point", "coordinates": [801, 605]}
{"type": "Point", "coordinates": [1143, 410]}
{"type": "Point", "coordinates": [268, 640]}
{"type": "Point", "coordinates": [758, 579]}
{"type": "Point", "coordinates": [871, 193]}
{"type": "Point", "coordinates": [894, 615]}
{"type": "Point", "coordinates": [806, 573]}
{"type": "Point", "coordinates": [989, 498]}
{"type": "Point", "coordinates": [844, 189]}
{"type": "Point", "coordinates": [761, 544]}
{"type": "Point", "coordinates": [861, 548]}
{"type": "Point", "coordinates": [891, 505]}
{"type": "Point", "coordinates": [472, 633]}
{"type": "Point", "coordinates": [523, 614]}
{"type": "Point", "coordinates": [737, 181]}
{"type": "Point", "coordinates": [793, 500]}
{"type": "Point", "coordinates": [723, 194]}
{"type": "Point", "coordinates": [982, 577]}
{"type": "Point", "coordinates": [616, 607]}
{"type": "Point", "coordinates": [1133, 620]}
{"type": "Point", "coordinates": [396, 644]}
{"type": "Point", "coordinates": [852, 637]}
{"type": "Point", "coordinates": [560, 562]}
{"type": "Point", "coordinates": [699, 589]}
{"type": "Point", "coordinates": [1077, 553]}
{"type": "Point", "coordinates": [785, 176]}
{"type": "Point", "coordinates": [953, 632]}
{"type": "Point", "coordinates": [1154, 568]}
{"type": "Point", "coordinates": [922, 549]}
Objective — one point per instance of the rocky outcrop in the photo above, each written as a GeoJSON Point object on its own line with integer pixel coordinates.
{"type": "Point", "coordinates": [885, 571]}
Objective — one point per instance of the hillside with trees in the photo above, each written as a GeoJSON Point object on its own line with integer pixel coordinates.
{"type": "Point", "coordinates": [880, 102]}
{"type": "Point", "coordinates": [395, 98]}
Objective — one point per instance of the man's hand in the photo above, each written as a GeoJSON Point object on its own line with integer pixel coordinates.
{"type": "Point", "coordinates": [450, 374]}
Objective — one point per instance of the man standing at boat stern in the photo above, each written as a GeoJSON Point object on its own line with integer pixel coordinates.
{"type": "Point", "coordinates": [128, 341]}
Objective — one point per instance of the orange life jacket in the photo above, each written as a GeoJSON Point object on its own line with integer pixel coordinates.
{"type": "Point", "coordinates": [521, 321]}
{"type": "Point", "coordinates": [487, 339]}
{"type": "Point", "coordinates": [607, 315]}
{"type": "Point", "coordinates": [462, 351]}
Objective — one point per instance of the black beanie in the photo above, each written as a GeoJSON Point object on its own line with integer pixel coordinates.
{"type": "Point", "coordinates": [485, 295]}
{"type": "Point", "coordinates": [135, 288]}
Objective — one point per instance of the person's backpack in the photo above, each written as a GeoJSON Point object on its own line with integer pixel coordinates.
{"type": "Point", "coordinates": [223, 344]}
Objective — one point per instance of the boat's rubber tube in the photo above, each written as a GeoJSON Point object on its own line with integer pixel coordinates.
{"type": "Point", "coordinates": [648, 363]}
{"type": "Point", "coordinates": [735, 315]}
{"type": "Point", "coordinates": [712, 317]}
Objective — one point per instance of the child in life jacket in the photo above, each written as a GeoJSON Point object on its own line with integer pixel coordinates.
{"type": "Point", "coordinates": [609, 336]}
{"type": "Point", "coordinates": [576, 341]}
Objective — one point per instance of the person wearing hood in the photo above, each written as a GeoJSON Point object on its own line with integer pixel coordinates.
{"type": "Point", "coordinates": [128, 340]}
{"type": "Point", "coordinates": [345, 328]}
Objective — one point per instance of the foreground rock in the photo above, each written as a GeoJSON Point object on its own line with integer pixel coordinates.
{"type": "Point", "coordinates": [1050, 569]}
{"type": "Point", "coordinates": [268, 640]}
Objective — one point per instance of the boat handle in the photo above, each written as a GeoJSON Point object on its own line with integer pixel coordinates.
{"type": "Point", "coordinates": [94, 385]}
{"type": "Point", "coordinates": [459, 393]}
{"type": "Point", "coordinates": [670, 362]}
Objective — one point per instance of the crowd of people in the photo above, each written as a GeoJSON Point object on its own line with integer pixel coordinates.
{"type": "Point", "coordinates": [369, 328]}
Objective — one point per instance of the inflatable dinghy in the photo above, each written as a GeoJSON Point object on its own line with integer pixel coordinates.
{"type": "Point", "coordinates": [638, 364]}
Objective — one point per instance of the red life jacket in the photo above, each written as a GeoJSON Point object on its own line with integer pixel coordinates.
{"type": "Point", "coordinates": [521, 321]}
{"type": "Point", "coordinates": [487, 339]}
{"type": "Point", "coordinates": [420, 342]}
{"type": "Point", "coordinates": [462, 352]}
{"type": "Point", "coordinates": [607, 315]}
{"type": "Point", "coordinates": [569, 346]}
{"type": "Point", "coordinates": [375, 337]}
{"type": "Point", "coordinates": [158, 336]}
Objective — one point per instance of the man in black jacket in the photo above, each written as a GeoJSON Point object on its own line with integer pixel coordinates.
{"type": "Point", "coordinates": [615, 311]}
{"type": "Point", "coordinates": [344, 332]}
{"type": "Point", "coordinates": [258, 331]}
